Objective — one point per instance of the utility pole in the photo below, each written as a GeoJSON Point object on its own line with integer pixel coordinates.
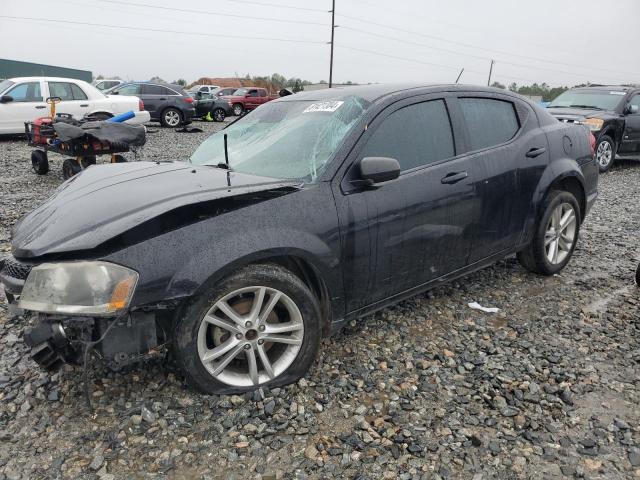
{"type": "Point", "coordinates": [490, 71]}
{"type": "Point", "coordinates": [333, 27]}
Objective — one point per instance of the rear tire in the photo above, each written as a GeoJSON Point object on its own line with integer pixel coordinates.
{"type": "Point", "coordinates": [243, 345]}
{"type": "Point", "coordinates": [555, 238]}
{"type": "Point", "coordinates": [171, 118]}
{"type": "Point", "coordinates": [238, 109]}
{"type": "Point", "coordinates": [39, 162]}
{"type": "Point", "coordinates": [219, 115]}
{"type": "Point", "coordinates": [605, 153]}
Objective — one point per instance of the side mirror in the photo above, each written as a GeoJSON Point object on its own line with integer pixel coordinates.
{"type": "Point", "coordinates": [632, 109]}
{"type": "Point", "coordinates": [115, 92]}
{"type": "Point", "coordinates": [6, 99]}
{"type": "Point", "coordinates": [378, 169]}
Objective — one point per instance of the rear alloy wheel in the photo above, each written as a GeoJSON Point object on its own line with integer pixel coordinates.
{"type": "Point", "coordinates": [39, 162]}
{"type": "Point", "coordinates": [605, 153]}
{"type": "Point", "coordinates": [219, 115]}
{"type": "Point", "coordinates": [555, 237]}
{"type": "Point", "coordinates": [238, 109]}
{"type": "Point", "coordinates": [259, 327]}
{"type": "Point", "coordinates": [171, 118]}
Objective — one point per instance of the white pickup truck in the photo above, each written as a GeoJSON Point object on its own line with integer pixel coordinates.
{"type": "Point", "coordinates": [24, 99]}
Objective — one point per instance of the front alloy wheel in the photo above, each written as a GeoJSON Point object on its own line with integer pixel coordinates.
{"type": "Point", "coordinates": [250, 336]}
{"type": "Point", "coordinates": [258, 327]}
{"type": "Point", "coordinates": [605, 153]}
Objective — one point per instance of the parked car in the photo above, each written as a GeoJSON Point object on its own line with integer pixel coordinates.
{"type": "Point", "coordinates": [246, 99]}
{"type": "Point", "coordinates": [104, 84]}
{"type": "Point", "coordinates": [314, 210]}
{"type": "Point", "coordinates": [206, 103]}
{"type": "Point", "coordinates": [168, 104]}
{"type": "Point", "coordinates": [24, 99]}
{"type": "Point", "coordinates": [224, 91]}
{"type": "Point", "coordinates": [204, 88]}
{"type": "Point", "coordinates": [612, 113]}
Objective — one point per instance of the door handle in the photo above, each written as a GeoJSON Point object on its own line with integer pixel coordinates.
{"type": "Point", "coordinates": [454, 177]}
{"type": "Point", "coordinates": [40, 106]}
{"type": "Point", "coordinates": [534, 152]}
{"type": "Point", "coordinates": [84, 104]}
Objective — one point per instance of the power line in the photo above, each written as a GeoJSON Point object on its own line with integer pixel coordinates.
{"type": "Point", "coordinates": [206, 12]}
{"type": "Point", "coordinates": [277, 5]}
{"type": "Point", "coordinates": [462, 44]}
{"type": "Point", "coordinates": [455, 52]}
{"type": "Point", "coordinates": [158, 30]}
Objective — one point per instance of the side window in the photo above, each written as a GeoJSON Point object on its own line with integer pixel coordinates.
{"type": "Point", "coordinates": [416, 135]}
{"type": "Point", "coordinates": [77, 92]}
{"type": "Point", "coordinates": [490, 122]}
{"type": "Point", "coordinates": [26, 92]}
{"type": "Point", "coordinates": [204, 89]}
{"type": "Point", "coordinates": [263, 93]}
{"type": "Point", "coordinates": [635, 100]}
{"type": "Point", "coordinates": [253, 93]}
{"type": "Point", "coordinates": [61, 89]}
{"type": "Point", "coordinates": [131, 89]}
{"type": "Point", "coordinates": [153, 90]}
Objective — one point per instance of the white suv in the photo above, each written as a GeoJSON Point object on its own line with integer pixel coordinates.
{"type": "Point", "coordinates": [203, 88]}
{"type": "Point", "coordinates": [24, 99]}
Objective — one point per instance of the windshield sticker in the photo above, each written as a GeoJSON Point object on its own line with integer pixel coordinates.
{"type": "Point", "coordinates": [331, 106]}
{"type": "Point", "coordinates": [617, 93]}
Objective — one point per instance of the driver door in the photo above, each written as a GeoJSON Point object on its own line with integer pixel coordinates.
{"type": "Point", "coordinates": [27, 105]}
{"type": "Point", "coordinates": [631, 135]}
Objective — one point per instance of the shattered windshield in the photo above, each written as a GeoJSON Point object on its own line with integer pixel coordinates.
{"type": "Point", "coordinates": [292, 139]}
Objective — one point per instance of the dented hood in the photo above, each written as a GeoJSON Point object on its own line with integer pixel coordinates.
{"type": "Point", "coordinates": [107, 200]}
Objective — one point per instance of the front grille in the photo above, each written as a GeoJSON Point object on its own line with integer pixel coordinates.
{"type": "Point", "coordinates": [12, 268]}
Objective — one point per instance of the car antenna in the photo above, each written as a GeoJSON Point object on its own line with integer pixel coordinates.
{"type": "Point", "coordinates": [226, 159]}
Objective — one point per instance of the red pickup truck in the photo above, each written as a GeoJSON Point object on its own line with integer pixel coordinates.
{"type": "Point", "coordinates": [248, 98]}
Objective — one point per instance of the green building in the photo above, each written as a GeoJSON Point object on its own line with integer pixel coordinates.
{"type": "Point", "coordinates": [13, 68]}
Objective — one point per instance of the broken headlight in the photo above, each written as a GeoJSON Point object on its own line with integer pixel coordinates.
{"type": "Point", "coordinates": [82, 288]}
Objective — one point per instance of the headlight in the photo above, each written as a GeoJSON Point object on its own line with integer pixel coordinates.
{"type": "Point", "coordinates": [594, 124]}
{"type": "Point", "coordinates": [81, 288]}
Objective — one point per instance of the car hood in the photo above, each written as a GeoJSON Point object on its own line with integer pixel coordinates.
{"type": "Point", "coordinates": [576, 113]}
{"type": "Point", "coordinates": [107, 200]}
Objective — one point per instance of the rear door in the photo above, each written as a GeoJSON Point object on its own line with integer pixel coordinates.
{"type": "Point", "coordinates": [631, 136]}
{"type": "Point", "coordinates": [154, 98]}
{"type": "Point", "coordinates": [74, 100]}
{"type": "Point", "coordinates": [509, 151]}
{"type": "Point", "coordinates": [252, 99]}
{"type": "Point", "coordinates": [27, 105]}
{"type": "Point", "coordinates": [413, 229]}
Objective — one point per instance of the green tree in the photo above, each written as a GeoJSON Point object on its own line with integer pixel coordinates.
{"type": "Point", "coordinates": [498, 85]}
{"type": "Point", "coordinates": [181, 81]}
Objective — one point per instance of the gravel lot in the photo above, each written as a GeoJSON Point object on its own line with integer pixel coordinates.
{"type": "Point", "coordinates": [549, 387]}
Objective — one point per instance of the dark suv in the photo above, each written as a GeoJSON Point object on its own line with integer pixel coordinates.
{"type": "Point", "coordinates": [168, 104]}
{"type": "Point", "coordinates": [612, 113]}
{"type": "Point", "coordinates": [313, 210]}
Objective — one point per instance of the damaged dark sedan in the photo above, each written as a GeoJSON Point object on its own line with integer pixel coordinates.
{"type": "Point", "coordinates": [312, 210]}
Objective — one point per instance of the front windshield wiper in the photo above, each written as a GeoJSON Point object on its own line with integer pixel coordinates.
{"type": "Point", "coordinates": [587, 106]}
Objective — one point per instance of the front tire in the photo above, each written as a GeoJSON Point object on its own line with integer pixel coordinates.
{"type": "Point", "coordinates": [605, 153]}
{"type": "Point", "coordinates": [555, 236]}
{"type": "Point", "coordinates": [258, 327]}
{"type": "Point", "coordinates": [39, 162]}
{"type": "Point", "coordinates": [171, 118]}
{"type": "Point", "coordinates": [238, 109]}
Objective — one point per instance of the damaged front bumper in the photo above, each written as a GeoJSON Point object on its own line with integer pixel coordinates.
{"type": "Point", "coordinates": [56, 340]}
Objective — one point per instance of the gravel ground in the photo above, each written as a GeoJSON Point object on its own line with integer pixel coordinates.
{"type": "Point", "coordinates": [549, 387]}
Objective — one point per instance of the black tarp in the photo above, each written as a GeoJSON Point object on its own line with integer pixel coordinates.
{"type": "Point", "coordinates": [132, 135]}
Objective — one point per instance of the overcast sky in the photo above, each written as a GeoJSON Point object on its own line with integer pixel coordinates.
{"type": "Point", "coordinates": [561, 42]}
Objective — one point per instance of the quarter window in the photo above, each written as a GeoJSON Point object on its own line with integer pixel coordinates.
{"type": "Point", "coordinates": [416, 135]}
{"type": "Point", "coordinates": [490, 122]}
{"type": "Point", "coordinates": [26, 92]}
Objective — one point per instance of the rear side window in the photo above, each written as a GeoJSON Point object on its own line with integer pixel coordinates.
{"type": "Point", "coordinates": [131, 89]}
{"type": "Point", "coordinates": [263, 93]}
{"type": "Point", "coordinates": [26, 92]}
{"type": "Point", "coordinates": [153, 90]}
{"type": "Point", "coordinates": [66, 91]}
{"type": "Point", "coordinates": [490, 122]}
{"type": "Point", "coordinates": [416, 135]}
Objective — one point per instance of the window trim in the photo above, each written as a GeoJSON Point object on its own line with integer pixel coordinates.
{"type": "Point", "coordinates": [487, 96]}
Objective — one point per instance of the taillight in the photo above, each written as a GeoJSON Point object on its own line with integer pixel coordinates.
{"type": "Point", "coordinates": [187, 99]}
{"type": "Point", "coordinates": [592, 143]}
{"type": "Point", "coordinates": [140, 105]}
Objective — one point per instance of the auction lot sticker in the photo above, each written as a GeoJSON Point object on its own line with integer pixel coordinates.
{"type": "Point", "coordinates": [331, 106]}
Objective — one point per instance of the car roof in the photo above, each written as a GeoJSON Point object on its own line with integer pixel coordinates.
{"type": "Point", "coordinates": [374, 92]}
{"type": "Point", "coordinates": [46, 79]}
{"type": "Point", "coordinates": [175, 87]}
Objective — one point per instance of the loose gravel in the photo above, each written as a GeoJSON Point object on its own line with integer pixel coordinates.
{"type": "Point", "coordinates": [549, 387]}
